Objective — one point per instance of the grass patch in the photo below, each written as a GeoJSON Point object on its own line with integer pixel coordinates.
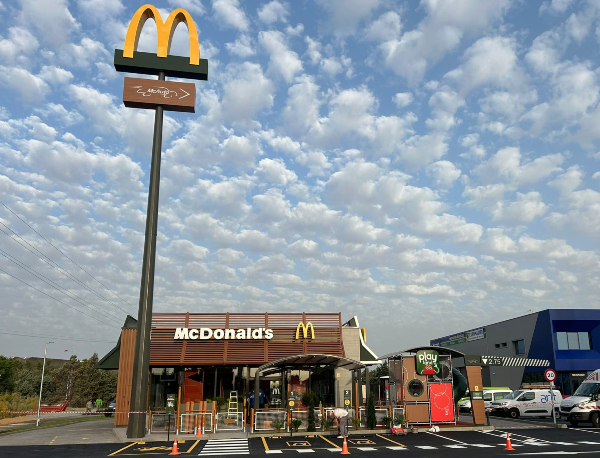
{"type": "Point", "coordinates": [51, 424]}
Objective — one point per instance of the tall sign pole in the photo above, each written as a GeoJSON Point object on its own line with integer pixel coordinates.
{"type": "Point", "coordinates": [158, 95]}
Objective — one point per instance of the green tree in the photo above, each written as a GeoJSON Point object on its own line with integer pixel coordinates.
{"type": "Point", "coordinates": [27, 380]}
{"type": "Point", "coordinates": [311, 427]}
{"type": "Point", "coordinates": [8, 367]}
{"type": "Point", "coordinates": [371, 418]}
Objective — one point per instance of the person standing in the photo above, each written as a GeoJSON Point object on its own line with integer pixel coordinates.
{"type": "Point", "coordinates": [98, 404]}
{"type": "Point", "coordinates": [88, 406]}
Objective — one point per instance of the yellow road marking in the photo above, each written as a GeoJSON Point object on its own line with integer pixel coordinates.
{"type": "Point", "coordinates": [327, 440]}
{"type": "Point", "coordinates": [192, 447]}
{"type": "Point", "coordinates": [120, 450]}
{"type": "Point", "coordinates": [265, 444]}
{"type": "Point", "coordinates": [393, 442]}
{"type": "Point", "coordinates": [52, 441]}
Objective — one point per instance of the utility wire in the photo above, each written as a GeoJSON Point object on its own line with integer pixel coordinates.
{"type": "Point", "coordinates": [58, 300]}
{"type": "Point", "coordinates": [57, 287]}
{"type": "Point", "coordinates": [61, 252]}
{"type": "Point", "coordinates": [53, 264]}
{"type": "Point", "coordinates": [37, 336]}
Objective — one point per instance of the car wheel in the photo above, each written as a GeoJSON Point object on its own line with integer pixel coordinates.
{"type": "Point", "coordinates": [574, 423]}
{"type": "Point", "coordinates": [595, 419]}
{"type": "Point", "coordinates": [513, 413]}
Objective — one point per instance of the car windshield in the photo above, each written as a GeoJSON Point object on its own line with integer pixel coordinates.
{"type": "Point", "coordinates": [587, 389]}
{"type": "Point", "coordinates": [514, 394]}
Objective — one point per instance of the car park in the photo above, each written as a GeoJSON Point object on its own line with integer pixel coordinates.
{"type": "Point", "coordinates": [584, 405]}
{"type": "Point", "coordinates": [489, 395]}
{"type": "Point", "coordinates": [528, 403]}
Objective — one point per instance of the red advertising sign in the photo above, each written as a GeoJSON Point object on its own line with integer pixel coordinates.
{"type": "Point", "coordinates": [440, 399]}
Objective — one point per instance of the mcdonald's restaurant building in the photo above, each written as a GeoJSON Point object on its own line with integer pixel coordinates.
{"type": "Point", "coordinates": [201, 356]}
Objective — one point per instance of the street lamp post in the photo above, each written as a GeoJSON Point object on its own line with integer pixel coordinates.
{"type": "Point", "coordinates": [37, 423]}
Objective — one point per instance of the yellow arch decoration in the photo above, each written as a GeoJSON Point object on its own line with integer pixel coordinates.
{"type": "Point", "coordinates": [164, 32]}
{"type": "Point", "coordinates": [305, 329]}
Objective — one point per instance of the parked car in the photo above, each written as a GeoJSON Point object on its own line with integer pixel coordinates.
{"type": "Point", "coordinates": [584, 405]}
{"type": "Point", "coordinates": [489, 395]}
{"type": "Point", "coordinates": [528, 403]}
{"type": "Point", "coordinates": [112, 405]}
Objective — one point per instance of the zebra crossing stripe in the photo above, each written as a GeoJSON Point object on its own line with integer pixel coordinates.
{"type": "Point", "coordinates": [225, 447]}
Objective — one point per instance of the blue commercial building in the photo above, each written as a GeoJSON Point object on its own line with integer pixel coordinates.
{"type": "Point", "coordinates": [568, 338]}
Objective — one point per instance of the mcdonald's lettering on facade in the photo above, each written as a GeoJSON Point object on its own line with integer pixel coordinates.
{"type": "Point", "coordinates": [129, 59]}
{"type": "Point", "coordinates": [305, 328]}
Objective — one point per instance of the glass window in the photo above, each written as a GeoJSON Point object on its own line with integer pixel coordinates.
{"type": "Point", "coordinates": [573, 340]}
{"type": "Point", "coordinates": [487, 396]}
{"type": "Point", "coordinates": [561, 339]}
{"type": "Point", "coordinates": [584, 340]}
{"type": "Point", "coordinates": [519, 346]}
{"type": "Point", "coordinates": [527, 397]}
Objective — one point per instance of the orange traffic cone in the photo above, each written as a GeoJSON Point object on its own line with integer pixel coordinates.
{"type": "Point", "coordinates": [508, 444]}
{"type": "Point", "coordinates": [199, 431]}
{"type": "Point", "coordinates": [345, 447]}
{"type": "Point", "coordinates": [174, 451]}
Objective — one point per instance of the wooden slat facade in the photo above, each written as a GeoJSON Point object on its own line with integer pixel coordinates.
{"type": "Point", "coordinates": [125, 376]}
{"type": "Point", "coordinates": [167, 352]}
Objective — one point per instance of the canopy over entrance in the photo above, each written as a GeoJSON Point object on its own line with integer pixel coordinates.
{"type": "Point", "coordinates": [298, 361]}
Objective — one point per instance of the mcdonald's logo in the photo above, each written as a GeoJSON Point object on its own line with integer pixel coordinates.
{"type": "Point", "coordinates": [164, 32]}
{"type": "Point", "coordinates": [130, 60]}
{"type": "Point", "coordinates": [305, 328]}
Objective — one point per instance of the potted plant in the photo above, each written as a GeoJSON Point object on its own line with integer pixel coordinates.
{"type": "Point", "coordinates": [296, 422]}
{"type": "Point", "coordinates": [355, 422]}
{"type": "Point", "coordinates": [387, 421]}
{"type": "Point", "coordinates": [327, 424]}
{"type": "Point", "coordinates": [278, 424]}
{"type": "Point", "coordinates": [220, 402]}
{"type": "Point", "coordinates": [398, 426]}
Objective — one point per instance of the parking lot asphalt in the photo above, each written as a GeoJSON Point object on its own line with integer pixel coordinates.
{"type": "Point", "coordinates": [526, 442]}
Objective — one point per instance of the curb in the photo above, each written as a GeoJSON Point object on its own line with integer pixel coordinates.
{"type": "Point", "coordinates": [533, 422]}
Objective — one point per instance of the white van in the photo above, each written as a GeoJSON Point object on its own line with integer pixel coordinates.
{"type": "Point", "coordinates": [488, 397]}
{"type": "Point", "coordinates": [528, 403]}
{"type": "Point", "coordinates": [584, 405]}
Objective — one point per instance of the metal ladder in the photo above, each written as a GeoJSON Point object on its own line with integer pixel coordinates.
{"type": "Point", "coordinates": [232, 411]}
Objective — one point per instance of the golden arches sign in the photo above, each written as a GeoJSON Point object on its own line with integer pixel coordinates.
{"type": "Point", "coordinates": [305, 328]}
{"type": "Point", "coordinates": [164, 32]}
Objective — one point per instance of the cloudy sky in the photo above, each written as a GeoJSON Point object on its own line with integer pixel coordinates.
{"type": "Point", "coordinates": [429, 167]}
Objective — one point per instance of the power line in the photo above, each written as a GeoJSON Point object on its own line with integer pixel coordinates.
{"type": "Point", "coordinates": [37, 336]}
{"type": "Point", "coordinates": [54, 285]}
{"type": "Point", "coordinates": [53, 264]}
{"type": "Point", "coordinates": [58, 300]}
{"type": "Point", "coordinates": [61, 252]}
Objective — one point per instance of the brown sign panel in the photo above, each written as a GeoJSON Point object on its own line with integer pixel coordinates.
{"type": "Point", "coordinates": [172, 95]}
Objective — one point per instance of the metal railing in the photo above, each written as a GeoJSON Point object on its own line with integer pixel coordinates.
{"type": "Point", "coordinates": [230, 421]}
{"type": "Point", "coordinates": [162, 422]}
{"type": "Point", "coordinates": [380, 413]}
{"type": "Point", "coordinates": [303, 416]}
{"type": "Point", "coordinates": [264, 419]}
{"type": "Point", "coordinates": [191, 421]}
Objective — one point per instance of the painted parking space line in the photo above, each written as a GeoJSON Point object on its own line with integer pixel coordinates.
{"type": "Point", "coordinates": [124, 448]}
{"type": "Point", "coordinates": [397, 448]}
{"type": "Point", "coordinates": [328, 441]}
{"type": "Point", "coordinates": [447, 438]}
{"type": "Point", "coordinates": [390, 440]}
{"type": "Point", "coordinates": [305, 450]}
{"type": "Point", "coordinates": [366, 449]}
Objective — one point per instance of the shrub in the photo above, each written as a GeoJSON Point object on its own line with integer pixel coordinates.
{"type": "Point", "coordinates": [16, 402]}
{"type": "Point", "coordinates": [308, 396]}
{"type": "Point", "coordinates": [278, 424]}
{"type": "Point", "coordinates": [387, 421]}
{"type": "Point", "coordinates": [311, 416]}
{"type": "Point", "coordinates": [355, 422]}
{"type": "Point", "coordinates": [327, 424]}
{"type": "Point", "coordinates": [371, 418]}
{"type": "Point", "coordinates": [296, 422]}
